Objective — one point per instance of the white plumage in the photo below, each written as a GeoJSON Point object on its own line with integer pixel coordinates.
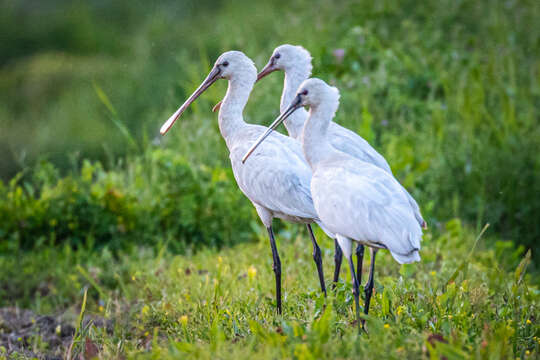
{"type": "Point", "coordinates": [355, 200]}
{"type": "Point", "coordinates": [361, 202]}
{"type": "Point", "coordinates": [295, 61]}
{"type": "Point", "coordinates": [277, 178]}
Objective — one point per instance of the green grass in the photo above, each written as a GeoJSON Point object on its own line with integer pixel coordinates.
{"type": "Point", "coordinates": [92, 198]}
{"type": "Point", "coordinates": [481, 302]}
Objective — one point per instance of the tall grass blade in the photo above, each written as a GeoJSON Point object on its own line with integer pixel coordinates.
{"type": "Point", "coordinates": [463, 266]}
{"type": "Point", "coordinates": [89, 278]}
{"type": "Point", "coordinates": [114, 116]}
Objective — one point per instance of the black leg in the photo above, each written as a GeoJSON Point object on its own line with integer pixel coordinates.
{"type": "Point", "coordinates": [338, 257]}
{"type": "Point", "coordinates": [368, 290]}
{"type": "Point", "coordinates": [359, 261]}
{"type": "Point", "coordinates": [356, 292]}
{"type": "Point", "coordinates": [318, 259]}
{"type": "Point", "coordinates": [276, 267]}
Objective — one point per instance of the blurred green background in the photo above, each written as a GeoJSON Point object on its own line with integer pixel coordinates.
{"type": "Point", "coordinates": [447, 91]}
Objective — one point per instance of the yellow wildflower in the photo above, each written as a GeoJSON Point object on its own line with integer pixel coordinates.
{"type": "Point", "coordinates": [433, 273]}
{"type": "Point", "coordinates": [101, 308]}
{"type": "Point", "coordinates": [183, 320]}
{"type": "Point", "coordinates": [529, 322]}
{"type": "Point", "coordinates": [252, 272]}
{"type": "Point", "coordinates": [387, 326]}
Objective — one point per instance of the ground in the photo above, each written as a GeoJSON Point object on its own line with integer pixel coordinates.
{"type": "Point", "coordinates": [461, 301]}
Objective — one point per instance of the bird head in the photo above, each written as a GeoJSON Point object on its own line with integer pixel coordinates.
{"type": "Point", "coordinates": [313, 93]}
{"type": "Point", "coordinates": [235, 64]}
{"type": "Point", "coordinates": [288, 58]}
{"type": "Point", "coordinates": [231, 65]}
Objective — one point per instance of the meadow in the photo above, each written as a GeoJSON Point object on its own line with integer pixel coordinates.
{"type": "Point", "coordinates": [118, 243]}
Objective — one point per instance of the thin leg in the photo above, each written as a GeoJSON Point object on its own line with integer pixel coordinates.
{"type": "Point", "coordinates": [338, 257]}
{"type": "Point", "coordinates": [359, 261]}
{"type": "Point", "coordinates": [318, 259]}
{"type": "Point", "coordinates": [368, 290]}
{"type": "Point", "coordinates": [356, 291]}
{"type": "Point", "coordinates": [276, 267]}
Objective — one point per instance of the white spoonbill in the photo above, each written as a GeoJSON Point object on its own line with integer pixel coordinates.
{"type": "Point", "coordinates": [356, 200]}
{"type": "Point", "coordinates": [277, 178]}
{"type": "Point", "coordinates": [295, 61]}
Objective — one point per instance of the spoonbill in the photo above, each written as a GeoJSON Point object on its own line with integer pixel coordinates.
{"type": "Point", "coordinates": [295, 61]}
{"type": "Point", "coordinates": [356, 200]}
{"type": "Point", "coordinates": [277, 179]}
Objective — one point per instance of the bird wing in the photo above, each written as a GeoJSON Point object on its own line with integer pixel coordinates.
{"type": "Point", "coordinates": [365, 203]}
{"type": "Point", "coordinates": [353, 144]}
{"type": "Point", "coordinates": [276, 175]}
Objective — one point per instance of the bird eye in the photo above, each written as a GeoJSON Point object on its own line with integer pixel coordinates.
{"type": "Point", "coordinates": [277, 56]}
{"type": "Point", "coordinates": [305, 92]}
{"type": "Point", "coordinates": [225, 63]}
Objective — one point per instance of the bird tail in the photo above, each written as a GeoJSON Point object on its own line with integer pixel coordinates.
{"type": "Point", "coordinates": [413, 254]}
{"type": "Point", "coordinates": [411, 257]}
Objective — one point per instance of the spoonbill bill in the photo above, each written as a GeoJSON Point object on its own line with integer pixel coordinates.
{"type": "Point", "coordinates": [356, 200]}
{"type": "Point", "coordinates": [277, 178]}
{"type": "Point", "coordinates": [295, 62]}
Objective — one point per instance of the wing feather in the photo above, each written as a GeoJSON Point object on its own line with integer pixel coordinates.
{"type": "Point", "coordinates": [353, 144]}
{"type": "Point", "coordinates": [276, 175]}
{"type": "Point", "coordinates": [363, 202]}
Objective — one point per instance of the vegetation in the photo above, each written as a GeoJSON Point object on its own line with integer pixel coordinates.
{"type": "Point", "coordinates": [152, 199]}
{"type": "Point", "coordinates": [459, 302]}
{"type": "Point", "coordinates": [448, 92]}
{"type": "Point", "coordinates": [168, 251]}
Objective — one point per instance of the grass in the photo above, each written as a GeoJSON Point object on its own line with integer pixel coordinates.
{"type": "Point", "coordinates": [460, 302]}
{"type": "Point", "coordinates": [94, 205]}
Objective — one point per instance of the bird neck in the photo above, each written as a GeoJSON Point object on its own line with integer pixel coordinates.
{"type": "Point", "coordinates": [230, 114]}
{"type": "Point", "coordinates": [315, 140]}
{"type": "Point", "coordinates": [295, 122]}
